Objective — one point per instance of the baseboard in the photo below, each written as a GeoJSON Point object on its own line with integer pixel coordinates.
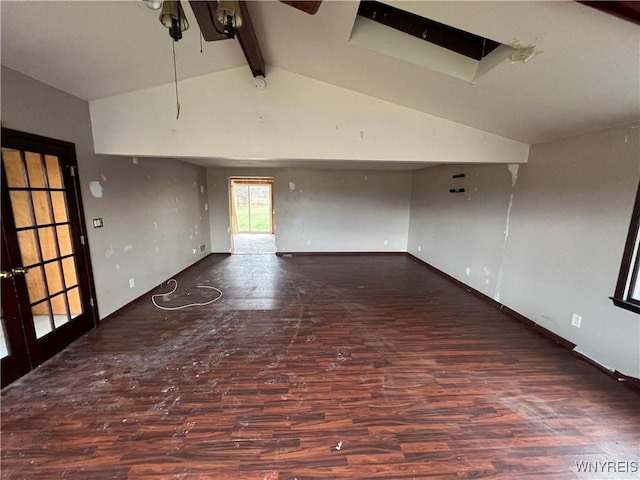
{"type": "Point", "coordinates": [127, 305]}
{"type": "Point", "coordinates": [631, 382]}
{"type": "Point", "coordinates": [299, 254]}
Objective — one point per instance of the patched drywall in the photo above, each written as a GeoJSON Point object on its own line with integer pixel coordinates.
{"type": "Point", "coordinates": [324, 210]}
{"type": "Point", "coordinates": [545, 239]}
{"type": "Point", "coordinates": [153, 209]}
{"type": "Point", "coordinates": [222, 115]}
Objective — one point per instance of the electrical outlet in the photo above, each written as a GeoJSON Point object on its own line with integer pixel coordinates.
{"type": "Point", "coordinates": [419, 248]}
{"type": "Point", "coordinates": [576, 320]}
{"type": "Point", "coordinates": [132, 282]}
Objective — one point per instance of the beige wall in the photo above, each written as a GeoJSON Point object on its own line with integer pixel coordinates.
{"type": "Point", "coordinates": [324, 210]}
{"type": "Point", "coordinates": [295, 117]}
{"type": "Point", "coordinates": [545, 240]}
{"type": "Point", "coordinates": [153, 212]}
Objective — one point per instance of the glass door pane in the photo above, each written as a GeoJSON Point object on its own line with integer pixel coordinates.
{"type": "Point", "coordinates": [260, 208]}
{"type": "Point", "coordinates": [38, 202]}
{"type": "Point", "coordinates": [4, 344]}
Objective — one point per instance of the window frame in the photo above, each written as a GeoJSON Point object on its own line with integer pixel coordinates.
{"type": "Point", "coordinates": [629, 275]}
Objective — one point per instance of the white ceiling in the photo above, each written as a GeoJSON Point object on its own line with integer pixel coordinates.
{"type": "Point", "coordinates": [585, 77]}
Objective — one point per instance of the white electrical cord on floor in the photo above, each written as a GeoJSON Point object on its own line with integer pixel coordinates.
{"type": "Point", "coordinates": [153, 297]}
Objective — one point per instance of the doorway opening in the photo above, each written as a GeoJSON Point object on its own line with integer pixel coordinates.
{"type": "Point", "coordinates": [252, 215]}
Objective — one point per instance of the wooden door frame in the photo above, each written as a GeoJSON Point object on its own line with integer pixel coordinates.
{"type": "Point", "coordinates": [63, 150]}
{"type": "Point", "coordinates": [17, 362]}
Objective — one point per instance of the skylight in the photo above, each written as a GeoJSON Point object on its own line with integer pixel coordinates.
{"type": "Point", "coordinates": [425, 42]}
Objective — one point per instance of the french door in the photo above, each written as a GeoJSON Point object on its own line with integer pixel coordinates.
{"type": "Point", "coordinates": [47, 286]}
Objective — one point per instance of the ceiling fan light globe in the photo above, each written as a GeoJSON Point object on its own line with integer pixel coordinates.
{"type": "Point", "coordinates": [172, 16]}
{"type": "Point", "coordinates": [153, 4]}
{"type": "Point", "coordinates": [228, 12]}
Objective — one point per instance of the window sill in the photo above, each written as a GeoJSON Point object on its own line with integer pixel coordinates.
{"type": "Point", "coordinates": [633, 307]}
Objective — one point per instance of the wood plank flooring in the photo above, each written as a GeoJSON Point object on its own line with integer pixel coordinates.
{"type": "Point", "coordinates": [317, 367]}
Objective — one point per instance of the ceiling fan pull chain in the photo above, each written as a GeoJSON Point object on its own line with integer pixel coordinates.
{"type": "Point", "coordinates": [175, 77]}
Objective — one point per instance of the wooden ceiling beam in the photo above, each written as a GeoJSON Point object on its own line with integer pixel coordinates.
{"type": "Point", "coordinates": [205, 13]}
{"type": "Point", "coordinates": [249, 43]}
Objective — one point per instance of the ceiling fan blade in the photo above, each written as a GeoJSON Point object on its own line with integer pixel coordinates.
{"type": "Point", "coordinates": [205, 13]}
{"type": "Point", "coordinates": [309, 7]}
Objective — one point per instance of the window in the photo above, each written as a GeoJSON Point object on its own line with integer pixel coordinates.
{"type": "Point", "coordinates": [628, 287]}
{"type": "Point", "coordinates": [424, 42]}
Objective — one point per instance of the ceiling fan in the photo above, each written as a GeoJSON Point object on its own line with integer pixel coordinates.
{"type": "Point", "coordinates": [221, 20]}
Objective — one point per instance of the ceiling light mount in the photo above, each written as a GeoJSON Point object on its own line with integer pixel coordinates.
{"type": "Point", "coordinates": [172, 16]}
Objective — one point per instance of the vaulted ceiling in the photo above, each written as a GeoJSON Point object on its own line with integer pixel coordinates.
{"type": "Point", "coordinates": [585, 75]}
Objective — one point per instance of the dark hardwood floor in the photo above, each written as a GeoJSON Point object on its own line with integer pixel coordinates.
{"type": "Point", "coordinates": [318, 367]}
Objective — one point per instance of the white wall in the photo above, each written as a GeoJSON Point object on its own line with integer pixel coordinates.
{"type": "Point", "coordinates": [324, 210]}
{"type": "Point", "coordinates": [546, 240]}
{"type": "Point", "coordinates": [153, 211]}
{"type": "Point", "coordinates": [223, 116]}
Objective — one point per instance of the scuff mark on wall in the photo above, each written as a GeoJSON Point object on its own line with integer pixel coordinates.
{"type": "Point", "coordinates": [128, 248]}
{"type": "Point", "coordinates": [110, 253]}
{"type": "Point", "coordinates": [513, 168]}
{"type": "Point", "coordinates": [96, 189]}
{"type": "Point", "coordinates": [486, 275]}
{"type": "Point", "coordinates": [504, 248]}
{"type": "Point", "coordinates": [522, 53]}
{"type": "Point", "coordinates": [104, 179]}
{"type": "Point", "coordinates": [292, 186]}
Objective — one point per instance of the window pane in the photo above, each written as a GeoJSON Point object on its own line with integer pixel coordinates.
{"type": "Point", "coordinates": [35, 169]}
{"type": "Point", "coordinates": [35, 284]}
{"type": "Point", "coordinates": [59, 207]}
{"type": "Point", "coordinates": [28, 247]}
{"type": "Point", "coordinates": [74, 302]}
{"type": "Point", "coordinates": [48, 243]}
{"type": "Point", "coordinates": [64, 240]}
{"type": "Point", "coordinates": [42, 319]}
{"type": "Point", "coordinates": [634, 281]}
{"type": "Point", "coordinates": [13, 167]}
{"type": "Point", "coordinates": [69, 271]}
{"type": "Point", "coordinates": [53, 171]}
{"type": "Point", "coordinates": [21, 209]}
{"type": "Point", "coordinates": [59, 307]}
{"type": "Point", "coordinates": [4, 344]}
{"type": "Point", "coordinates": [41, 207]}
{"type": "Point", "coordinates": [54, 278]}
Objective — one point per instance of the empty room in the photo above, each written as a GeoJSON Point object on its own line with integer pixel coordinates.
{"type": "Point", "coordinates": [281, 240]}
